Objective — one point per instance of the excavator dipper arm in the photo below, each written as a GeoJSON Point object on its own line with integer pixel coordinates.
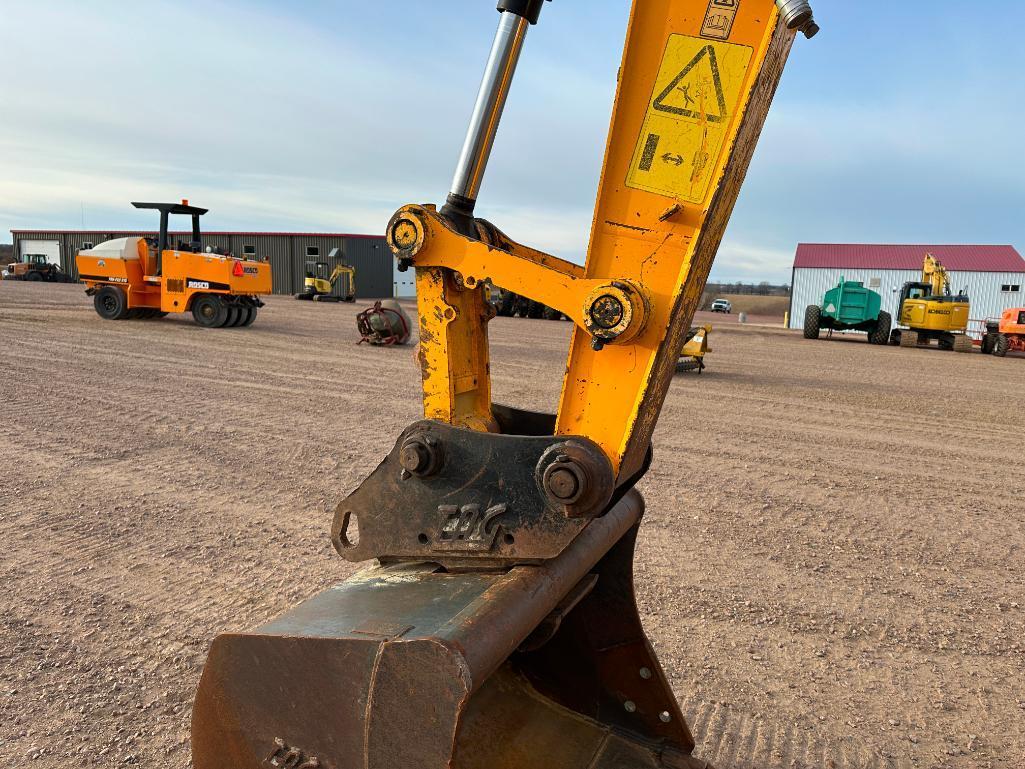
{"type": "Point", "coordinates": [497, 627]}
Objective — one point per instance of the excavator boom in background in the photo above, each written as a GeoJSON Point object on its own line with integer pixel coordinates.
{"type": "Point", "coordinates": [930, 312]}
{"type": "Point", "coordinates": [497, 627]}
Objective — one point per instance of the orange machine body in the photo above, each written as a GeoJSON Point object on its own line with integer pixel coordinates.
{"type": "Point", "coordinates": [184, 276]}
{"type": "Point", "coordinates": [1007, 334]}
{"type": "Point", "coordinates": [142, 278]}
{"type": "Point", "coordinates": [1013, 321]}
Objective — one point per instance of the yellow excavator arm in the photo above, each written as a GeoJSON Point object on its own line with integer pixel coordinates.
{"type": "Point", "coordinates": [339, 271]}
{"type": "Point", "coordinates": [935, 274]}
{"type": "Point", "coordinates": [498, 626]}
{"type": "Point", "coordinates": [696, 85]}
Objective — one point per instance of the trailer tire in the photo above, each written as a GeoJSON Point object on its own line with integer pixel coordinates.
{"type": "Point", "coordinates": [812, 321]}
{"type": "Point", "coordinates": [209, 311]}
{"type": "Point", "coordinates": [111, 303]}
{"type": "Point", "coordinates": [881, 334]}
{"type": "Point", "coordinates": [1002, 345]}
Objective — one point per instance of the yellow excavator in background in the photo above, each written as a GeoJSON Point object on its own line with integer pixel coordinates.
{"type": "Point", "coordinates": [496, 627]}
{"type": "Point", "coordinates": [318, 288]}
{"type": "Point", "coordinates": [929, 312]}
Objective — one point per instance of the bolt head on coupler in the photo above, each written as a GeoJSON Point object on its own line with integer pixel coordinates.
{"type": "Point", "coordinates": [576, 478]}
{"type": "Point", "coordinates": [420, 455]}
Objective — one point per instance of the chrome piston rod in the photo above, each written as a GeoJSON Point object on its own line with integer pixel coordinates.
{"type": "Point", "coordinates": [487, 112]}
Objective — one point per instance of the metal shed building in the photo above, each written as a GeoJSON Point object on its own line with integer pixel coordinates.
{"type": "Point", "coordinates": [287, 252]}
{"type": "Point", "coordinates": [993, 275]}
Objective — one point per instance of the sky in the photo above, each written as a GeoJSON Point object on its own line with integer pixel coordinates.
{"type": "Point", "coordinates": [899, 123]}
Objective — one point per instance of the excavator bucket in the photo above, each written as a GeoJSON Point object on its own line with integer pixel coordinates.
{"type": "Point", "coordinates": [418, 667]}
{"type": "Point", "coordinates": [497, 628]}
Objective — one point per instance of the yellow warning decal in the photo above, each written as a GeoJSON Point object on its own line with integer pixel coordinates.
{"type": "Point", "coordinates": [696, 97]}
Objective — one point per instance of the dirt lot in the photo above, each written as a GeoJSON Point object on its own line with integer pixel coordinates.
{"type": "Point", "coordinates": [831, 567]}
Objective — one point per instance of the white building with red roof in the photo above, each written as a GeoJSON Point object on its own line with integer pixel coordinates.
{"type": "Point", "coordinates": [994, 276]}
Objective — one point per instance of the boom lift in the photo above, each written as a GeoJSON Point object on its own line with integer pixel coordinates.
{"type": "Point", "coordinates": [317, 288]}
{"type": "Point", "coordinates": [498, 627]}
{"type": "Point", "coordinates": [1005, 335]}
{"type": "Point", "coordinates": [150, 277]}
{"type": "Point", "coordinates": [930, 312]}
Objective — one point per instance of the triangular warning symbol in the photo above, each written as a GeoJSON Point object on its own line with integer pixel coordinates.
{"type": "Point", "coordinates": [697, 91]}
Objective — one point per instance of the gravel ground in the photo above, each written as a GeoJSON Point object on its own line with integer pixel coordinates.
{"type": "Point", "coordinates": [830, 568]}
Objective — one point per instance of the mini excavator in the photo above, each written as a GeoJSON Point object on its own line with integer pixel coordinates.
{"type": "Point", "coordinates": [496, 626]}
{"type": "Point", "coordinates": [318, 284]}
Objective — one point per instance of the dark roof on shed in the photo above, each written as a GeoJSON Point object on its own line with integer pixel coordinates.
{"type": "Point", "coordinates": [908, 257]}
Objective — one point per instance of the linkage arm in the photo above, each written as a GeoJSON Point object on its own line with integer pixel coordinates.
{"type": "Point", "coordinates": [695, 86]}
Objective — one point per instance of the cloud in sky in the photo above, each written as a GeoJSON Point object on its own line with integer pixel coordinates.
{"type": "Point", "coordinates": [898, 123]}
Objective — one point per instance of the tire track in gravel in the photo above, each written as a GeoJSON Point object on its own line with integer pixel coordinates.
{"type": "Point", "coordinates": [829, 569]}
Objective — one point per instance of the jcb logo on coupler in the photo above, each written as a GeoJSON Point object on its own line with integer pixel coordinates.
{"type": "Point", "coordinates": [469, 528]}
{"type": "Point", "coordinates": [287, 757]}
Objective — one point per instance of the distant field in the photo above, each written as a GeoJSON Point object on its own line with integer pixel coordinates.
{"type": "Point", "coordinates": [753, 305]}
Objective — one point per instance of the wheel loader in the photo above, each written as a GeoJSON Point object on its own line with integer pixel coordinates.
{"type": "Point", "coordinates": [35, 268]}
{"type": "Point", "coordinates": [930, 312]}
{"type": "Point", "coordinates": [495, 626]}
{"type": "Point", "coordinates": [144, 278]}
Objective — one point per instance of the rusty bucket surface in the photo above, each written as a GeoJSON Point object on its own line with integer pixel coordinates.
{"type": "Point", "coordinates": [415, 667]}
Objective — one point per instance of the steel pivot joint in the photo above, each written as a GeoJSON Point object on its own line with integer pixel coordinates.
{"type": "Point", "coordinates": [615, 313]}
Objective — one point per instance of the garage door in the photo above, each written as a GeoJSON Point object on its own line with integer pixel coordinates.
{"type": "Point", "coordinates": [403, 283]}
{"type": "Point", "coordinates": [51, 249]}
